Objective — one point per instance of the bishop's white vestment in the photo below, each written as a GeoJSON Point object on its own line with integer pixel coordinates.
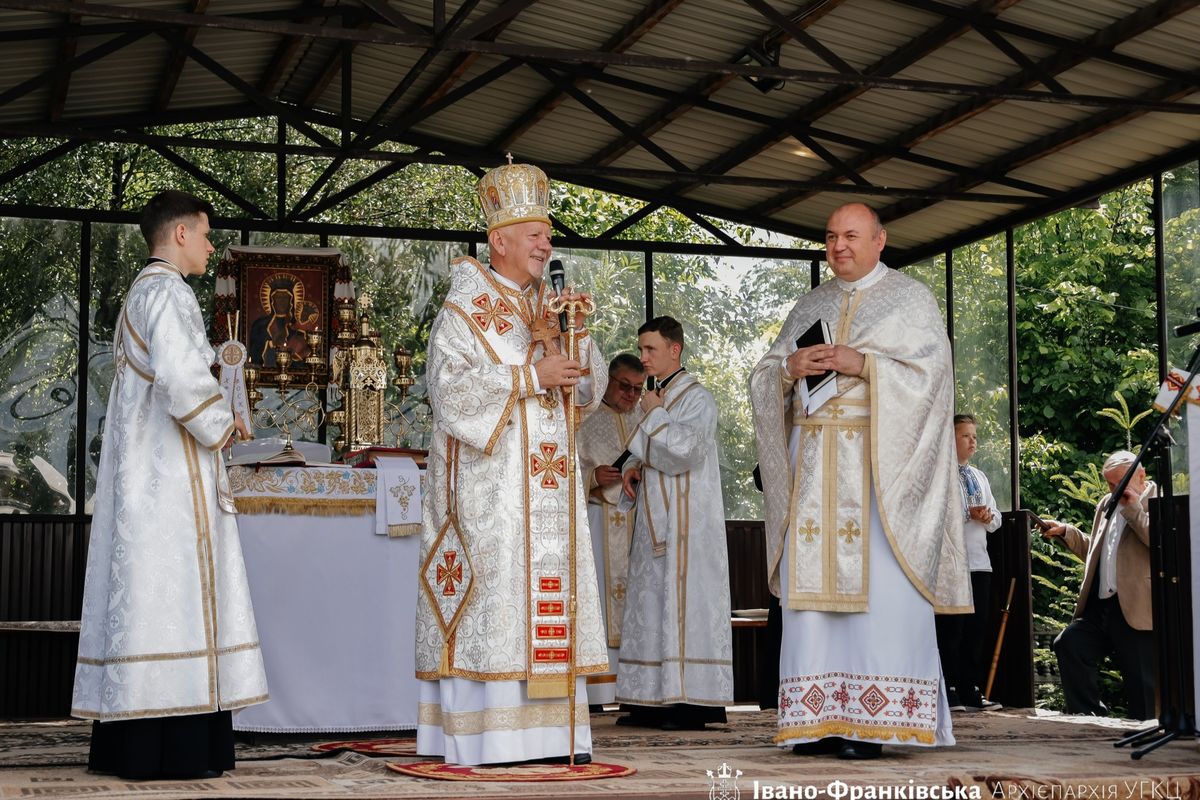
{"type": "Point", "coordinates": [676, 640]}
{"type": "Point", "coordinates": [603, 437]}
{"type": "Point", "coordinates": [493, 635]}
{"type": "Point", "coordinates": [167, 628]}
{"type": "Point", "coordinates": [863, 517]}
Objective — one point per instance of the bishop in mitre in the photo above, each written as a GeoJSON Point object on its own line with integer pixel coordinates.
{"type": "Point", "coordinates": [675, 668]}
{"type": "Point", "coordinates": [494, 630]}
{"type": "Point", "coordinates": [862, 505]}
{"type": "Point", "coordinates": [167, 642]}
{"type": "Point", "coordinates": [603, 439]}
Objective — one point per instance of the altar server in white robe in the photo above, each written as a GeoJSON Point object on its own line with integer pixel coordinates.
{"type": "Point", "coordinates": [603, 438]}
{"type": "Point", "coordinates": [167, 643]}
{"type": "Point", "coordinates": [862, 505]}
{"type": "Point", "coordinates": [675, 668]}
{"type": "Point", "coordinates": [493, 634]}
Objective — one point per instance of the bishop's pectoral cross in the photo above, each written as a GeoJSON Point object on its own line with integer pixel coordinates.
{"type": "Point", "coordinates": [546, 333]}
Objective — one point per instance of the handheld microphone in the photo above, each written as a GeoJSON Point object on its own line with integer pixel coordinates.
{"type": "Point", "coordinates": [558, 280]}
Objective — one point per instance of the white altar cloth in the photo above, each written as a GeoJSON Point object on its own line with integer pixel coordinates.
{"type": "Point", "coordinates": [336, 608]}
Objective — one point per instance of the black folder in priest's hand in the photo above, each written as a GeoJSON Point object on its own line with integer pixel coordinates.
{"type": "Point", "coordinates": [817, 389]}
{"type": "Point", "coordinates": [817, 333]}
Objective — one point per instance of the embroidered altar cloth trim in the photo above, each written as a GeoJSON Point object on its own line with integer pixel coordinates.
{"type": "Point", "coordinates": [315, 491]}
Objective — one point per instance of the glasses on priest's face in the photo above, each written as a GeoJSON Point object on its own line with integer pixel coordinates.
{"type": "Point", "coordinates": [627, 387]}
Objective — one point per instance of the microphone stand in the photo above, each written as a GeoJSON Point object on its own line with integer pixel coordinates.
{"type": "Point", "coordinates": [1170, 570]}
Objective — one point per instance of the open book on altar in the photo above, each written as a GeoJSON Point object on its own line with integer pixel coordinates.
{"type": "Point", "coordinates": [365, 456]}
{"type": "Point", "coordinates": [276, 452]}
{"type": "Point", "coordinates": [816, 390]}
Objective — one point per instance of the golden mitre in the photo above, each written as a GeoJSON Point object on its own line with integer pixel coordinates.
{"type": "Point", "coordinates": [513, 193]}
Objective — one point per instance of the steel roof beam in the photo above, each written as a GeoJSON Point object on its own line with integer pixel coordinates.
{"type": "Point", "coordinates": [40, 160]}
{"type": "Point", "coordinates": [95, 54]}
{"type": "Point", "coordinates": [810, 130]}
{"type": "Point", "coordinates": [1133, 25]}
{"type": "Point", "coordinates": [629, 35]}
{"type": "Point", "coordinates": [1052, 40]}
{"type": "Point", "coordinates": [1044, 146]}
{"type": "Point", "coordinates": [289, 46]}
{"type": "Point", "coordinates": [630, 221]}
{"type": "Point", "coordinates": [676, 107]}
{"type": "Point", "coordinates": [175, 62]}
{"type": "Point", "coordinates": [1045, 208]}
{"type": "Point", "coordinates": [208, 180]}
{"type": "Point", "coordinates": [575, 172]}
{"type": "Point", "coordinates": [271, 107]}
{"type": "Point", "coordinates": [67, 46]}
{"type": "Point", "coordinates": [930, 40]}
{"type": "Point", "coordinates": [391, 16]}
{"type": "Point", "coordinates": [372, 127]}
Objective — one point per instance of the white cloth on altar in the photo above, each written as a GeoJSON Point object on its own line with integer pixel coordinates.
{"type": "Point", "coordinates": [397, 497]}
{"type": "Point", "coordinates": [495, 722]}
{"type": "Point", "coordinates": [336, 608]}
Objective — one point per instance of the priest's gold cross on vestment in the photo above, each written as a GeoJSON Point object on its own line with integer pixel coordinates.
{"type": "Point", "coordinates": [849, 531]}
{"type": "Point", "coordinates": [810, 530]}
{"type": "Point", "coordinates": [449, 572]}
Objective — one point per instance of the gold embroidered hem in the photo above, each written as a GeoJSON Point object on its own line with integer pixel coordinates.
{"type": "Point", "coordinates": [825, 729]}
{"type": "Point", "coordinates": [516, 718]}
{"type": "Point", "coordinates": [134, 659]}
{"type": "Point", "coordinates": [406, 529]}
{"type": "Point", "coordinates": [954, 609]}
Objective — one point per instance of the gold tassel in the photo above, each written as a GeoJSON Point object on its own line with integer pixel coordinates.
{"type": "Point", "coordinates": [314, 507]}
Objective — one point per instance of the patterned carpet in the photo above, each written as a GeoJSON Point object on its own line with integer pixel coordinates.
{"type": "Point", "coordinates": [1007, 755]}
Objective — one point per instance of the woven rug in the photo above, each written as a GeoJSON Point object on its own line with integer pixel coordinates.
{"type": "Point", "coordinates": [524, 773]}
{"type": "Point", "coordinates": [371, 747]}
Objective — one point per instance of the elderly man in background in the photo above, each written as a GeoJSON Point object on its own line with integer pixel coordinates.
{"type": "Point", "coordinates": [1113, 614]}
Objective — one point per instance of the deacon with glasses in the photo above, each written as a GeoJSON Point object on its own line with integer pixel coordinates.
{"type": "Point", "coordinates": [603, 439]}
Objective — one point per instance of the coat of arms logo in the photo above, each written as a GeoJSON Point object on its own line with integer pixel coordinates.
{"type": "Point", "coordinates": [723, 783]}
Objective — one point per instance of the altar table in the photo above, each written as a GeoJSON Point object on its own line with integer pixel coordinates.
{"type": "Point", "coordinates": [335, 603]}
